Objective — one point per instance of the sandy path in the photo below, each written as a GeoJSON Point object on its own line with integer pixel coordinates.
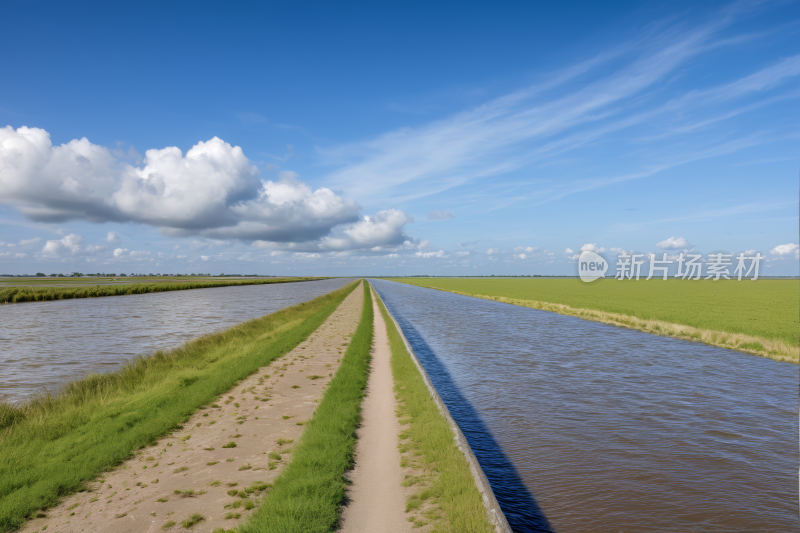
{"type": "Point", "coordinates": [377, 500]}
{"type": "Point", "coordinates": [269, 405]}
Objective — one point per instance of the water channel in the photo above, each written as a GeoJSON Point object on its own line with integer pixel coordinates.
{"type": "Point", "coordinates": [45, 343]}
{"type": "Point", "coordinates": [582, 426]}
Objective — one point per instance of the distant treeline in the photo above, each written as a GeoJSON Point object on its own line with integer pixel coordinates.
{"type": "Point", "coordinates": [38, 294]}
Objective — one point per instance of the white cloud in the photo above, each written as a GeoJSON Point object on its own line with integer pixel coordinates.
{"type": "Point", "coordinates": [205, 257]}
{"type": "Point", "coordinates": [384, 228]}
{"type": "Point", "coordinates": [20, 255]}
{"type": "Point", "coordinates": [592, 247]}
{"type": "Point", "coordinates": [119, 252]}
{"type": "Point", "coordinates": [424, 244]}
{"type": "Point", "coordinates": [568, 251]}
{"type": "Point", "coordinates": [213, 191]}
{"type": "Point", "coordinates": [440, 253]}
{"type": "Point", "coordinates": [521, 256]}
{"type": "Point", "coordinates": [492, 251]}
{"type": "Point", "coordinates": [440, 215]}
{"type": "Point", "coordinates": [25, 242]}
{"type": "Point", "coordinates": [113, 237]}
{"type": "Point", "coordinates": [786, 249]}
{"type": "Point", "coordinates": [526, 249]}
{"type": "Point", "coordinates": [674, 243]}
{"type": "Point", "coordinates": [71, 245]}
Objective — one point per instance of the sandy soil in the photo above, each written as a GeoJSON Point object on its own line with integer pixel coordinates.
{"type": "Point", "coordinates": [271, 404]}
{"type": "Point", "coordinates": [377, 499]}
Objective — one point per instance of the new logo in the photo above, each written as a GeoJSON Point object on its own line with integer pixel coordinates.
{"type": "Point", "coordinates": [591, 266]}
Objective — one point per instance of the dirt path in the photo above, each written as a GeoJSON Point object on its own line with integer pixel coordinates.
{"type": "Point", "coordinates": [377, 499]}
{"type": "Point", "coordinates": [192, 471]}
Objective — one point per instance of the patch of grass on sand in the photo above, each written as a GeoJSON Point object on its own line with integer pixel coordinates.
{"type": "Point", "coordinates": [308, 495]}
{"type": "Point", "coordinates": [451, 486]}
{"type": "Point", "coordinates": [38, 294]}
{"type": "Point", "coordinates": [757, 317]}
{"type": "Point", "coordinates": [54, 444]}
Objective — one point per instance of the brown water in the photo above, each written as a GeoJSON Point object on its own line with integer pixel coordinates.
{"type": "Point", "coordinates": [582, 426]}
{"type": "Point", "coordinates": [44, 343]}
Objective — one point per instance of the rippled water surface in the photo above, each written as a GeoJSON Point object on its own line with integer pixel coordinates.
{"type": "Point", "coordinates": [582, 426]}
{"type": "Point", "coordinates": [43, 343]}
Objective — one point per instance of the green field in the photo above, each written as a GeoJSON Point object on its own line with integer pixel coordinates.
{"type": "Point", "coordinates": [41, 289]}
{"type": "Point", "coordinates": [764, 308]}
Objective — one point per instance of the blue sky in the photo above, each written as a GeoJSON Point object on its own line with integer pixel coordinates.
{"type": "Point", "coordinates": [395, 138]}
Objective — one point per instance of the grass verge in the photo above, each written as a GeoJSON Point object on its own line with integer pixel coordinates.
{"type": "Point", "coordinates": [308, 495]}
{"type": "Point", "coordinates": [39, 294]}
{"type": "Point", "coordinates": [430, 440]}
{"type": "Point", "coordinates": [52, 445]}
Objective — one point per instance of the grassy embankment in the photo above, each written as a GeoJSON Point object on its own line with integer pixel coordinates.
{"type": "Point", "coordinates": [756, 317]}
{"type": "Point", "coordinates": [52, 445]}
{"type": "Point", "coordinates": [37, 294]}
{"type": "Point", "coordinates": [448, 483]}
{"type": "Point", "coordinates": [308, 495]}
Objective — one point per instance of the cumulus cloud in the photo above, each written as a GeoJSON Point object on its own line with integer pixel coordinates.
{"type": "Point", "coordinates": [492, 251]}
{"type": "Point", "coordinates": [113, 237]}
{"type": "Point", "coordinates": [526, 249]}
{"type": "Point", "coordinates": [384, 228]}
{"type": "Point", "coordinates": [786, 249]}
{"type": "Point", "coordinates": [213, 191]}
{"type": "Point", "coordinates": [521, 256]}
{"type": "Point", "coordinates": [440, 215]}
{"type": "Point", "coordinates": [70, 246]}
{"type": "Point", "coordinates": [674, 243]}
{"type": "Point", "coordinates": [592, 247]}
{"type": "Point", "coordinates": [569, 251]}
{"type": "Point", "coordinates": [440, 253]}
{"type": "Point", "coordinates": [205, 257]}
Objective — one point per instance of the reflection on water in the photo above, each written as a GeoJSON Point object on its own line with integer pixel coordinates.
{"type": "Point", "coordinates": [43, 343]}
{"type": "Point", "coordinates": [582, 426]}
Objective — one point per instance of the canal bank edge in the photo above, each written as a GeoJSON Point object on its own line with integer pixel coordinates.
{"type": "Point", "coordinates": [493, 510]}
{"type": "Point", "coordinates": [774, 349]}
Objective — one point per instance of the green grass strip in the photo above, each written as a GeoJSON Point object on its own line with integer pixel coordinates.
{"type": "Point", "coordinates": [451, 486]}
{"type": "Point", "coordinates": [308, 495]}
{"type": "Point", "coordinates": [38, 294]}
{"type": "Point", "coordinates": [53, 445]}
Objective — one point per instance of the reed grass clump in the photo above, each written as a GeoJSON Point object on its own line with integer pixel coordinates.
{"type": "Point", "coordinates": [448, 483]}
{"type": "Point", "coordinates": [307, 496]}
{"type": "Point", "coordinates": [39, 294]}
{"type": "Point", "coordinates": [54, 444]}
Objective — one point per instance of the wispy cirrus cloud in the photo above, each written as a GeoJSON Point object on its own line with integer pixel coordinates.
{"type": "Point", "coordinates": [630, 88]}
